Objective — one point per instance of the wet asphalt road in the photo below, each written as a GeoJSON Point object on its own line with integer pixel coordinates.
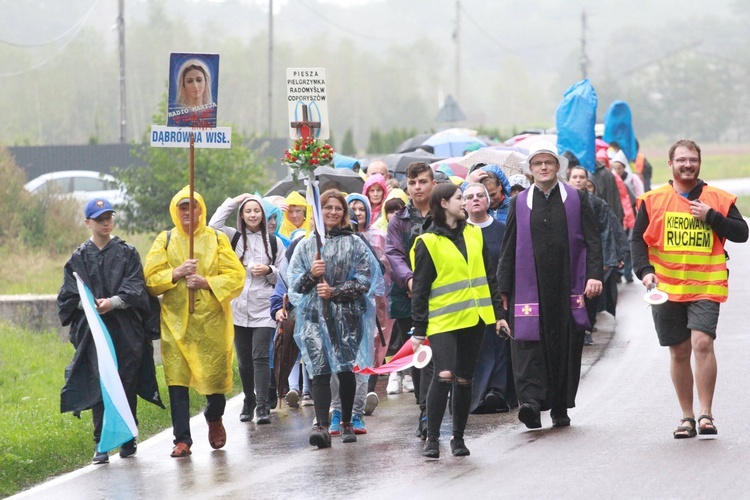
{"type": "Point", "coordinates": [619, 446]}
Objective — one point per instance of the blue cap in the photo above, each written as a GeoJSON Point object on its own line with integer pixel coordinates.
{"type": "Point", "coordinates": [97, 207]}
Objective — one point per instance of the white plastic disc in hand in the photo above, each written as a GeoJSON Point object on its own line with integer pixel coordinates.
{"type": "Point", "coordinates": [422, 356]}
{"type": "Point", "coordinates": [655, 296]}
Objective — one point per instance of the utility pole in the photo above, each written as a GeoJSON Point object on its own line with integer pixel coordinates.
{"type": "Point", "coordinates": [584, 57]}
{"type": "Point", "coordinates": [457, 42]}
{"type": "Point", "coordinates": [270, 69]}
{"type": "Point", "coordinates": [121, 43]}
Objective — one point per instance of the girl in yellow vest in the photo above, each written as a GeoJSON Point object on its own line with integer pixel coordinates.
{"type": "Point", "coordinates": [454, 295]}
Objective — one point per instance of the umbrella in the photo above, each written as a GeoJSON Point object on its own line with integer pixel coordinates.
{"type": "Point", "coordinates": [509, 161]}
{"type": "Point", "coordinates": [412, 143]}
{"type": "Point", "coordinates": [528, 142]}
{"type": "Point", "coordinates": [452, 145]}
{"type": "Point", "coordinates": [343, 179]}
{"type": "Point", "coordinates": [453, 164]}
{"type": "Point", "coordinates": [398, 162]}
{"type": "Point", "coordinates": [285, 353]}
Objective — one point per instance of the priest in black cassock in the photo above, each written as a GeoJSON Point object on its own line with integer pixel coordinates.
{"type": "Point", "coordinates": [551, 258]}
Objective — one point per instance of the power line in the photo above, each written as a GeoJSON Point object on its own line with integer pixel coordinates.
{"type": "Point", "coordinates": [45, 61]}
{"type": "Point", "coordinates": [342, 28]}
{"type": "Point", "coordinates": [75, 27]}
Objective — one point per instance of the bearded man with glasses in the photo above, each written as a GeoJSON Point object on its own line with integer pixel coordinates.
{"type": "Point", "coordinates": [678, 246]}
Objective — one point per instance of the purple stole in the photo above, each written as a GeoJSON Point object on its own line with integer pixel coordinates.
{"type": "Point", "coordinates": [526, 293]}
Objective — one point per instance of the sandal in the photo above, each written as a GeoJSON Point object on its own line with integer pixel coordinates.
{"type": "Point", "coordinates": [685, 431]}
{"type": "Point", "coordinates": [180, 450]}
{"type": "Point", "coordinates": [708, 428]}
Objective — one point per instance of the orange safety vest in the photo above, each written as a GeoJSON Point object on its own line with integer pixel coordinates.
{"type": "Point", "coordinates": [687, 256]}
{"type": "Point", "coordinates": [640, 162]}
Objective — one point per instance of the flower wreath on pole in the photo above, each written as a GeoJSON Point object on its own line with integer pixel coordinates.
{"type": "Point", "coordinates": [306, 155]}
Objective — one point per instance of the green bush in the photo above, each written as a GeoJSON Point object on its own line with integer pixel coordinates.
{"type": "Point", "coordinates": [46, 222]}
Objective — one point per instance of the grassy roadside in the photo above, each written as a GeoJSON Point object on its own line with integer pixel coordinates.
{"type": "Point", "coordinates": [38, 272]}
{"type": "Point", "coordinates": [713, 166]}
{"type": "Point", "coordinates": [37, 441]}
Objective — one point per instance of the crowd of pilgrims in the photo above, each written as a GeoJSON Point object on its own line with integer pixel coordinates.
{"type": "Point", "coordinates": [348, 303]}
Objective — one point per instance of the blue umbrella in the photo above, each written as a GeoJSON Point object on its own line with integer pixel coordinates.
{"type": "Point", "coordinates": [452, 145]}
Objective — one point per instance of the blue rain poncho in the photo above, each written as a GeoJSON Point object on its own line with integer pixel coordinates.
{"type": "Point", "coordinates": [575, 120]}
{"type": "Point", "coordinates": [335, 334]}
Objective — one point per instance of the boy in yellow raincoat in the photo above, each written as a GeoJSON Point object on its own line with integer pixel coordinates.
{"type": "Point", "coordinates": [196, 348]}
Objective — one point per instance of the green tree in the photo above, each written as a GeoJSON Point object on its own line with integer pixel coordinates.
{"type": "Point", "coordinates": [219, 173]}
{"type": "Point", "coordinates": [347, 146]}
{"type": "Point", "coordinates": [375, 144]}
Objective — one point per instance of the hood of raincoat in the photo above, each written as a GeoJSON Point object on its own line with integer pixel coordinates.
{"type": "Point", "coordinates": [200, 224]}
{"type": "Point", "coordinates": [250, 198]}
{"type": "Point", "coordinates": [363, 199]}
{"type": "Point", "coordinates": [397, 193]}
{"type": "Point", "coordinates": [272, 210]}
{"type": "Point", "coordinates": [375, 179]}
{"type": "Point", "coordinates": [285, 227]}
{"type": "Point", "coordinates": [620, 157]}
{"type": "Point", "coordinates": [504, 184]}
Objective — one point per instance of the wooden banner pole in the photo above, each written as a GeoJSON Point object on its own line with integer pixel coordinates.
{"type": "Point", "coordinates": [191, 225]}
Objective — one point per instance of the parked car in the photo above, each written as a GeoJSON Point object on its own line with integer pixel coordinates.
{"type": "Point", "coordinates": [82, 185]}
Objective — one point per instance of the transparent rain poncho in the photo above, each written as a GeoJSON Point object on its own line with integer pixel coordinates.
{"type": "Point", "coordinates": [337, 333]}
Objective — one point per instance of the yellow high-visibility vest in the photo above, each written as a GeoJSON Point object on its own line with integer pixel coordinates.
{"type": "Point", "coordinates": [460, 294]}
{"type": "Point", "coordinates": [688, 258]}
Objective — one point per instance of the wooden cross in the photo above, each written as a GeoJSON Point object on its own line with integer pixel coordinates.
{"type": "Point", "coordinates": [305, 127]}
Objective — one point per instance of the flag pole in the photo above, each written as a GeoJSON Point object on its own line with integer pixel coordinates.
{"type": "Point", "coordinates": [191, 225]}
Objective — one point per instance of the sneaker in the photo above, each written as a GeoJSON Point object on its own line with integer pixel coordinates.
{"type": "Point", "coordinates": [292, 399]}
{"type": "Point", "coordinates": [431, 448]}
{"type": "Point", "coordinates": [307, 400]}
{"type": "Point", "coordinates": [335, 428]}
{"type": "Point", "coordinates": [588, 339]}
{"type": "Point", "coordinates": [320, 437]}
{"type": "Point", "coordinates": [358, 424]}
{"type": "Point", "coordinates": [217, 435]}
{"type": "Point", "coordinates": [248, 409]}
{"type": "Point", "coordinates": [100, 458]}
{"type": "Point", "coordinates": [458, 448]}
{"type": "Point", "coordinates": [347, 433]}
{"type": "Point", "coordinates": [128, 449]}
{"type": "Point", "coordinates": [394, 384]}
{"type": "Point", "coordinates": [371, 402]}
{"type": "Point", "coordinates": [263, 416]}
{"type": "Point", "coordinates": [408, 383]}
{"type": "Point", "coordinates": [180, 450]}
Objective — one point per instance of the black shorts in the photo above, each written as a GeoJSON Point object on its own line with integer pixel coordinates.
{"type": "Point", "coordinates": [675, 320]}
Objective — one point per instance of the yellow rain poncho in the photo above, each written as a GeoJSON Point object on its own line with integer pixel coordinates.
{"type": "Point", "coordinates": [294, 198]}
{"type": "Point", "coordinates": [197, 348]}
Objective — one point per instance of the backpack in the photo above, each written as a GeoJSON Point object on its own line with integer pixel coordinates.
{"type": "Point", "coordinates": [235, 240]}
{"type": "Point", "coordinates": [272, 240]}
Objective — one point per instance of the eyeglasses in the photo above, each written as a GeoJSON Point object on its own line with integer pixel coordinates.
{"type": "Point", "coordinates": [331, 208]}
{"type": "Point", "coordinates": [539, 163]}
{"type": "Point", "coordinates": [470, 197]}
{"type": "Point", "coordinates": [683, 161]}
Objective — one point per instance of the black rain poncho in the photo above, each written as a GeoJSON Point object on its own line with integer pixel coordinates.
{"type": "Point", "coordinates": [113, 270]}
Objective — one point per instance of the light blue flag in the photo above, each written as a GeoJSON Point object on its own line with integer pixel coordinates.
{"type": "Point", "coordinates": [313, 199]}
{"type": "Point", "coordinates": [118, 426]}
